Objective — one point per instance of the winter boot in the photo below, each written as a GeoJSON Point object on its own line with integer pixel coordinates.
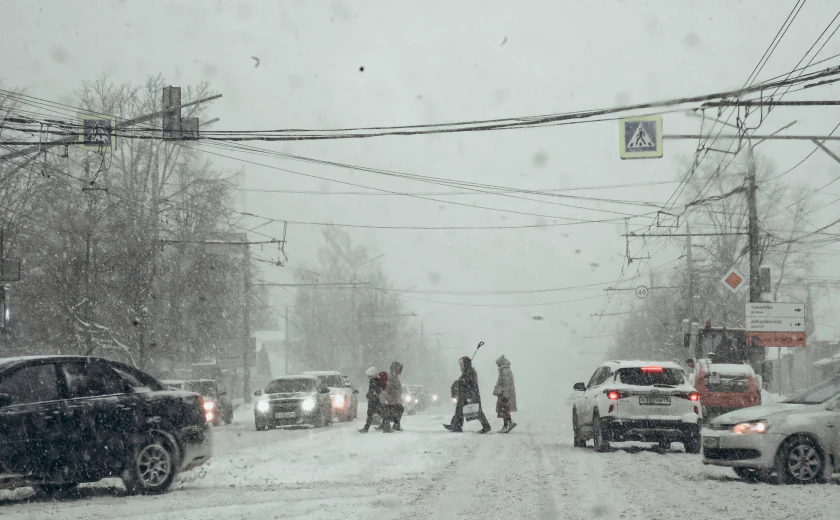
{"type": "Point", "coordinates": [511, 427]}
{"type": "Point", "coordinates": [506, 426]}
{"type": "Point", "coordinates": [486, 429]}
{"type": "Point", "coordinates": [363, 430]}
{"type": "Point", "coordinates": [448, 427]}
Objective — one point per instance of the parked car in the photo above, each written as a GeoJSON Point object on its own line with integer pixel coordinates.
{"type": "Point", "coordinates": [795, 441]}
{"type": "Point", "coordinates": [215, 399]}
{"type": "Point", "coordinates": [65, 420]}
{"type": "Point", "coordinates": [293, 400]}
{"type": "Point", "coordinates": [345, 404]}
{"type": "Point", "coordinates": [637, 401]}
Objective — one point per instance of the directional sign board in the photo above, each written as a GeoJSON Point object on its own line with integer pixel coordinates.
{"type": "Point", "coordinates": [775, 324]}
{"type": "Point", "coordinates": [640, 137]}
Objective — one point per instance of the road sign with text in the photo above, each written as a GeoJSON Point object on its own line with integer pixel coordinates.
{"type": "Point", "coordinates": [774, 324]}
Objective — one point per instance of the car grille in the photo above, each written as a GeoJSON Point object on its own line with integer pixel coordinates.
{"type": "Point", "coordinates": [285, 405]}
{"type": "Point", "coordinates": [730, 453]}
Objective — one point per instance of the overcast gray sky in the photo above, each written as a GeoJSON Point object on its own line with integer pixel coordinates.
{"type": "Point", "coordinates": [436, 61]}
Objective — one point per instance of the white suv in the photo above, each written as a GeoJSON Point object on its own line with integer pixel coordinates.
{"type": "Point", "coordinates": [637, 401]}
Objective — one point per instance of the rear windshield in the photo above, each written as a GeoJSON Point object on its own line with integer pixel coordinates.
{"type": "Point", "coordinates": [283, 386]}
{"type": "Point", "coordinates": [650, 377]}
{"type": "Point", "coordinates": [205, 388]}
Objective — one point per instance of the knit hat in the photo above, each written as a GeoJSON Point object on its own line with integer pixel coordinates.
{"type": "Point", "coordinates": [371, 372]}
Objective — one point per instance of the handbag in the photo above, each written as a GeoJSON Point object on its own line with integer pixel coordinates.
{"type": "Point", "coordinates": [497, 390]}
{"type": "Point", "coordinates": [471, 411]}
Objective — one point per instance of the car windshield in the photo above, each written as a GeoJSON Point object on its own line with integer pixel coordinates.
{"type": "Point", "coordinates": [287, 386]}
{"type": "Point", "coordinates": [334, 381]}
{"type": "Point", "coordinates": [650, 376]}
{"type": "Point", "coordinates": [206, 388]}
{"type": "Point", "coordinates": [818, 393]}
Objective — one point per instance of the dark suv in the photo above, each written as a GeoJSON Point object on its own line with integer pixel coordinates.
{"type": "Point", "coordinates": [65, 420]}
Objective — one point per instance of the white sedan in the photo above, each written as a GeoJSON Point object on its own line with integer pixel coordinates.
{"type": "Point", "coordinates": [796, 441]}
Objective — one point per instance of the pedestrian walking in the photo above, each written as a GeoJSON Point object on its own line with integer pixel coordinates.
{"type": "Point", "coordinates": [468, 396]}
{"type": "Point", "coordinates": [374, 404]}
{"type": "Point", "coordinates": [395, 406]}
{"type": "Point", "coordinates": [383, 399]}
{"type": "Point", "coordinates": [505, 392]}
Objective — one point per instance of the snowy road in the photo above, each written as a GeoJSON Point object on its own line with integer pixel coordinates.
{"type": "Point", "coordinates": [428, 473]}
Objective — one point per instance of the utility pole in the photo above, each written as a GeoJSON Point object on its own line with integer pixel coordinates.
{"type": "Point", "coordinates": [246, 321]}
{"type": "Point", "coordinates": [755, 258]}
{"type": "Point", "coordinates": [286, 344]}
{"type": "Point", "coordinates": [690, 270]}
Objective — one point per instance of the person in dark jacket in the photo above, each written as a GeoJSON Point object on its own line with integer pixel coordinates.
{"type": "Point", "coordinates": [394, 393]}
{"type": "Point", "coordinates": [468, 393]}
{"type": "Point", "coordinates": [374, 404]}
{"type": "Point", "coordinates": [384, 403]}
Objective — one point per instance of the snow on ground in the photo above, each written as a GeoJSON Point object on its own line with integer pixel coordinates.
{"type": "Point", "coordinates": [428, 473]}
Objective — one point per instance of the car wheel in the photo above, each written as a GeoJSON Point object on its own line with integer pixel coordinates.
{"type": "Point", "coordinates": [153, 467]}
{"type": "Point", "coordinates": [664, 445]}
{"type": "Point", "coordinates": [692, 442]}
{"type": "Point", "coordinates": [602, 443]}
{"type": "Point", "coordinates": [800, 461]}
{"type": "Point", "coordinates": [579, 440]}
{"type": "Point", "coordinates": [49, 490]}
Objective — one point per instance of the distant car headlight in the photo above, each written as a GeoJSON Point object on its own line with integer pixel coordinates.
{"type": "Point", "coordinates": [434, 398]}
{"type": "Point", "coordinates": [263, 406]}
{"type": "Point", "coordinates": [308, 404]}
{"type": "Point", "coordinates": [408, 399]}
{"type": "Point", "coordinates": [338, 401]}
{"type": "Point", "coordinates": [209, 406]}
{"type": "Point", "coordinates": [454, 399]}
{"type": "Point", "coordinates": [751, 427]}
{"type": "Point", "coordinates": [416, 401]}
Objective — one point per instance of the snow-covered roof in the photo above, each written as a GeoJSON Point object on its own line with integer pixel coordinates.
{"type": "Point", "coordinates": [638, 364]}
{"type": "Point", "coordinates": [322, 373]}
{"type": "Point", "coordinates": [21, 359]}
{"type": "Point", "coordinates": [730, 369]}
{"type": "Point", "coordinates": [300, 376]}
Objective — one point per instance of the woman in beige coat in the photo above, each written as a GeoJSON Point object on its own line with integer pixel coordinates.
{"type": "Point", "coordinates": [505, 393]}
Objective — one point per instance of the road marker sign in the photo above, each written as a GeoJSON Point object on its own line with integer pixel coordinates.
{"type": "Point", "coordinates": [640, 137]}
{"type": "Point", "coordinates": [98, 133]}
{"type": "Point", "coordinates": [642, 292]}
{"type": "Point", "coordinates": [733, 280]}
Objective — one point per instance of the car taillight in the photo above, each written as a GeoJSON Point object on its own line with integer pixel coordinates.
{"type": "Point", "coordinates": [693, 396]}
{"type": "Point", "coordinates": [202, 406]}
{"type": "Point", "coordinates": [612, 395]}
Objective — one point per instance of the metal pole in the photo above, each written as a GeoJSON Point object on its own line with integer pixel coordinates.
{"type": "Point", "coordinates": [755, 258]}
{"type": "Point", "coordinates": [690, 268]}
{"type": "Point", "coordinates": [246, 324]}
{"type": "Point", "coordinates": [286, 345]}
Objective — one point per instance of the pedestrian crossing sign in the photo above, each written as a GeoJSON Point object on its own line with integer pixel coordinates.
{"type": "Point", "coordinates": [640, 137]}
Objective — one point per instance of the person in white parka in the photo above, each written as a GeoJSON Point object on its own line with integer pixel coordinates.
{"type": "Point", "coordinates": [505, 392]}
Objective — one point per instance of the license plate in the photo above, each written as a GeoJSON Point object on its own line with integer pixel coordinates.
{"type": "Point", "coordinates": [712, 442]}
{"type": "Point", "coordinates": [654, 401]}
{"type": "Point", "coordinates": [284, 415]}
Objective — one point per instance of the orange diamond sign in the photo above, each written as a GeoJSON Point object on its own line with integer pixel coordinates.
{"type": "Point", "coordinates": [733, 280]}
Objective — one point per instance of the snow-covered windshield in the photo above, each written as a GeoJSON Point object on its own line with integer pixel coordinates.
{"type": "Point", "coordinates": [287, 386]}
{"type": "Point", "coordinates": [650, 377]}
{"type": "Point", "coordinates": [819, 393]}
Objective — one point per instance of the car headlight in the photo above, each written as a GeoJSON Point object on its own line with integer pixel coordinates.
{"type": "Point", "coordinates": [434, 398]}
{"type": "Point", "coordinates": [209, 405]}
{"type": "Point", "coordinates": [408, 399]}
{"type": "Point", "coordinates": [751, 427]}
{"type": "Point", "coordinates": [338, 401]}
{"type": "Point", "coordinates": [263, 406]}
{"type": "Point", "coordinates": [308, 404]}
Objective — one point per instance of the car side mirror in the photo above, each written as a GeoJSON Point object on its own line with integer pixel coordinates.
{"type": "Point", "coordinates": [5, 400]}
{"type": "Point", "coordinates": [258, 393]}
{"type": "Point", "coordinates": [690, 363]}
{"type": "Point", "coordinates": [580, 387]}
{"type": "Point", "coordinates": [324, 390]}
{"type": "Point", "coordinates": [225, 393]}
